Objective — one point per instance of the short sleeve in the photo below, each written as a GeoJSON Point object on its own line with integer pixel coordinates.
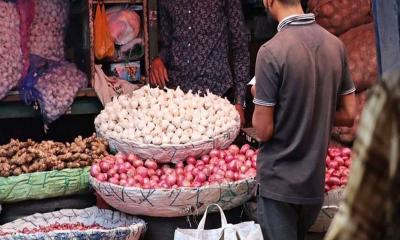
{"type": "Point", "coordinates": [268, 80]}
{"type": "Point", "coordinates": [347, 84]}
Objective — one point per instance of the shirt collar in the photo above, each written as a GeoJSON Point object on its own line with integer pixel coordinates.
{"type": "Point", "coordinates": [296, 19]}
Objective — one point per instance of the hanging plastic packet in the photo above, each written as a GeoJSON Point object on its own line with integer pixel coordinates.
{"type": "Point", "coordinates": [103, 43]}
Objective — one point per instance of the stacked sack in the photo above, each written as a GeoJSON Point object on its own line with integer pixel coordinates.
{"type": "Point", "coordinates": [52, 81]}
{"type": "Point", "coordinates": [11, 55]}
{"type": "Point", "coordinates": [47, 32]}
{"type": "Point", "coordinates": [351, 21]}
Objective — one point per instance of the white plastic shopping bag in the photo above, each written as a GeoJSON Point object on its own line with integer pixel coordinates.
{"type": "Point", "coordinates": [108, 87]}
{"type": "Point", "coordinates": [241, 231]}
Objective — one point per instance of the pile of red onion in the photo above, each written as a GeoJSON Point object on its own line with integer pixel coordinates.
{"type": "Point", "coordinates": [219, 166]}
{"type": "Point", "coordinates": [338, 162]}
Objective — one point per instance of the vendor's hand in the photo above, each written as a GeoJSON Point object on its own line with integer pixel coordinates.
{"type": "Point", "coordinates": [253, 90]}
{"type": "Point", "coordinates": [158, 73]}
{"type": "Point", "coordinates": [240, 109]}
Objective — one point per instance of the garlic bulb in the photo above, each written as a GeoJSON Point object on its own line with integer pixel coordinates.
{"type": "Point", "coordinates": [162, 117]}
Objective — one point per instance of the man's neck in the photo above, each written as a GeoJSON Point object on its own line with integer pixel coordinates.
{"type": "Point", "coordinates": [297, 10]}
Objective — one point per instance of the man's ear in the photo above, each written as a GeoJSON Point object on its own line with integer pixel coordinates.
{"type": "Point", "coordinates": [271, 2]}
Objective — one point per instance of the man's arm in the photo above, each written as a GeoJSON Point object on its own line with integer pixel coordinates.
{"type": "Point", "coordinates": [346, 111]}
{"type": "Point", "coordinates": [263, 122]}
{"type": "Point", "coordinates": [346, 107]}
{"type": "Point", "coordinates": [266, 94]}
{"type": "Point", "coordinates": [158, 71]}
{"type": "Point", "coordinates": [238, 44]}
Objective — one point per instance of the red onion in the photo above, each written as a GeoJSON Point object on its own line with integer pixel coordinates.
{"type": "Point", "coordinates": [218, 178]}
{"type": "Point", "coordinates": [222, 155]}
{"type": "Point", "coordinates": [180, 179]}
{"type": "Point", "coordinates": [229, 174]}
{"type": "Point", "coordinates": [241, 157]}
{"type": "Point", "coordinates": [151, 172]}
{"type": "Point", "coordinates": [131, 182]}
{"type": "Point", "coordinates": [122, 168]}
{"type": "Point", "coordinates": [179, 171]}
{"type": "Point", "coordinates": [248, 163]}
{"type": "Point", "coordinates": [234, 149]}
{"type": "Point", "coordinates": [171, 179]}
{"type": "Point", "coordinates": [215, 170]}
{"type": "Point", "coordinates": [206, 171]}
{"type": "Point", "coordinates": [189, 168]}
{"type": "Point", "coordinates": [229, 158]}
{"type": "Point", "coordinates": [195, 171]}
{"type": "Point", "coordinates": [105, 166]}
{"type": "Point", "coordinates": [123, 176]}
{"type": "Point", "coordinates": [346, 151]}
{"type": "Point", "coordinates": [159, 172]}
{"type": "Point", "coordinates": [137, 163]}
{"type": "Point", "coordinates": [95, 170]}
{"type": "Point", "coordinates": [119, 160]}
{"type": "Point", "coordinates": [112, 172]}
{"type": "Point", "coordinates": [200, 177]}
{"type": "Point", "coordinates": [151, 164]}
{"type": "Point", "coordinates": [244, 148]}
{"type": "Point", "coordinates": [243, 169]}
{"type": "Point", "coordinates": [189, 176]}
{"type": "Point", "coordinates": [205, 159]}
{"type": "Point", "coordinates": [131, 157]}
{"type": "Point", "coordinates": [138, 179]}
{"type": "Point", "coordinates": [250, 153]}
{"type": "Point", "coordinates": [200, 163]}
{"type": "Point", "coordinates": [186, 183]}
{"type": "Point", "coordinates": [146, 180]}
{"type": "Point", "coordinates": [101, 177]}
{"type": "Point", "coordinates": [339, 161]}
{"type": "Point", "coordinates": [213, 160]}
{"type": "Point", "coordinates": [191, 160]}
{"type": "Point", "coordinates": [123, 182]}
{"type": "Point", "coordinates": [142, 171]}
{"type": "Point", "coordinates": [114, 180]}
{"type": "Point", "coordinates": [196, 184]}
{"type": "Point", "coordinates": [163, 177]}
{"type": "Point", "coordinates": [154, 178]}
{"type": "Point", "coordinates": [120, 155]}
{"type": "Point", "coordinates": [214, 153]}
{"type": "Point", "coordinates": [179, 165]}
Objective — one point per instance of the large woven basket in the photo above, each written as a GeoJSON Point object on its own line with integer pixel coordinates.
{"type": "Point", "coordinates": [117, 226]}
{"type": "Point", "coordinates": [41, 185]}
{"type": "Point", "coordinates": [174, 202]}
{"type": "Point", "coordinates": [173, 153]}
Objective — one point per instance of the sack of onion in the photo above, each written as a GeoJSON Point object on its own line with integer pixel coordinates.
{"type": "Point", "coordinates": [89, 223]}
{"type": "Point", "coordinates": [338, 16]}
{"type": "Point", "coordinates": [361, 55]}
{"type": "Point", "coordinates": [134, 186]}
{"type": "Point", "coordinates": [10, 52]}
{"type": "Point", "coordinates": [167, 125]}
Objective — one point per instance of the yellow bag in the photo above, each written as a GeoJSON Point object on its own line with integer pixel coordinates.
{"type": "Point", "coordinates": [103, 43]}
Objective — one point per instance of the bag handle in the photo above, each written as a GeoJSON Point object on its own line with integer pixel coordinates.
{"type": "Point", "coordinates": [203, 219]}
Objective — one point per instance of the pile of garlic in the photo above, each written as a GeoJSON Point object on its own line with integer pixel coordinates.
{"type": "Point", "coordinates": [162, 117]}
{"type": "Point", "coordinates": [10, 51]}
{"type": "Point", "coordinates": [58, 88]}
{"type": "Point", "coordinates": [47, 31]}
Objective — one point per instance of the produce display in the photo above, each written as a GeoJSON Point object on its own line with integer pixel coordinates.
{"type": "Point", "coordinates": [361, 54]}
{"type": "Point", "coordinates": [162, 117]}
{"type": "Point", "coordinates": [11, 54]}
{"type": "Point", "coordinates": [167, 125]}
{"type": "Point", "coordinates": [19, 157]}
{"type": "Point", "coordinates": [89, 223]}
{"type": "Point", "coordinates": [47, 31]}
{"type": "Point", "coordinates": [58, 88]}
{"type": "Point", "coordinates": [232, 164]}
{"type": "Point", "coordinates": [338, 16]}
{"type": "Point", "coordinates": [337, 171]}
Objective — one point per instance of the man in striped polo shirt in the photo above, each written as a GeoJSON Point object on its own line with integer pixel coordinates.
{"type": "Point", "coordinates": [303, 88]}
